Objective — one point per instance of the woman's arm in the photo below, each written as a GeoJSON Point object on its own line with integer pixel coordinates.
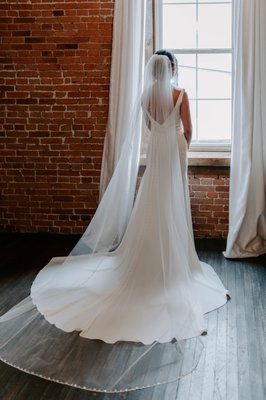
{"type": "Point", "coordinates": [186, 118]}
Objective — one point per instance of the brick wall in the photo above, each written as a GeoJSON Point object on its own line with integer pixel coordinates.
{"type": "Point", "coordinates": [209, 193]}
{"type": "Point", "coordinates": [54, 75]}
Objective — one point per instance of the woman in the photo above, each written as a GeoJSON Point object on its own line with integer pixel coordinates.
{"type": "Point", "coordinates": [184, 108]}
{"type": "Point", "coordinates": [150, 288]}
{"type": "Point", "coordinates": [154, 275]}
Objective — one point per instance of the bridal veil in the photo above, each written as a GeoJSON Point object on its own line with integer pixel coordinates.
{"type": "Point", "coordinates": [125, 309]}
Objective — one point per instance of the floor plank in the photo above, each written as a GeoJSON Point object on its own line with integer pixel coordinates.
{"type": "Point", "coordinates": [231, 351]}
{"type": "Point", "coordinates": [233, 365]}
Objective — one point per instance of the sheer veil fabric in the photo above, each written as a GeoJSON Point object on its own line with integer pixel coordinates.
{"type": "Point", "coordinates": [134, 280]}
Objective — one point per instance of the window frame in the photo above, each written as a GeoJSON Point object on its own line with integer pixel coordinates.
{"type": "Point", "coordinates": [208, 145]}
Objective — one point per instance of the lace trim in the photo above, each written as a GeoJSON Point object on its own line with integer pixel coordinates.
{"type": "Point", "coordinates": [102, 390]}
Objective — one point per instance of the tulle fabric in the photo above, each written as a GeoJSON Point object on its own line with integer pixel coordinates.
{"type": "Point", "coordinates": [31, 344]}
{"type": "Point", "coordinates": [130, 298]}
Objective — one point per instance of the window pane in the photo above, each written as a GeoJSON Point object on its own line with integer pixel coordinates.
{"type": "Point", "coordinates": [195, 1]}
{"type": "Point", "coordinates": [177, 32]}
{"type": "Point", "coordinates": [196, 25]}
{"type": "Point", "coordinates": [214, 119]}
{"type": "Point", "coordinates": [213, 1]}
{"type": "Point", "coordinates": [179, 1]}
{"type": "Point", "coordinates": [214, 76]}
{"type": "Point", "coordinates": [214, 26]}
{"type": "Point", "coordinates": [187, 73]}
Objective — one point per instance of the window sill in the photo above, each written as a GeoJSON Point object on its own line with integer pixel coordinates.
{"type": "Point", "coordinates": [204, 158]}
{"type": "Point", "coordinates": [209, 158]}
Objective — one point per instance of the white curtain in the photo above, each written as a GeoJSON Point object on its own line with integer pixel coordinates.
{"type": "Point", "coordinates": [126, 78]}
{"type": "Point", "coordinates": [247, 205]}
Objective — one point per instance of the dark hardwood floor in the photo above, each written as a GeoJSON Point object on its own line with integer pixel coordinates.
{"type": "Point", "coordinates": [233, 366]}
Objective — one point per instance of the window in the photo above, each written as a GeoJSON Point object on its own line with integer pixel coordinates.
{"type": "Point", "coordinates": [199, 33]}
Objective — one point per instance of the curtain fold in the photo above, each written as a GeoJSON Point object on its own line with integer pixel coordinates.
{"type": "Point", "coordinates": [247, 202]}
{"type": "Point", "coordinates": [149, 50]}
{"type": "Point", "coordinates": [126, 77]}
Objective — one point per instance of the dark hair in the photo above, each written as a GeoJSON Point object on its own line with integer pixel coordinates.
{"type": "Point", "coordinates": [169, 54]}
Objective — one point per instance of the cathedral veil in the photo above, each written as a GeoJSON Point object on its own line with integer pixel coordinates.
{"type": "Point", "coordinates": [107, 254]}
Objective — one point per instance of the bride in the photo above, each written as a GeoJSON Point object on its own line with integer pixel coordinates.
{"type": "Point", "coordinates": [152, 287]}
{"type": "Point", "coordinates": [135, 276]}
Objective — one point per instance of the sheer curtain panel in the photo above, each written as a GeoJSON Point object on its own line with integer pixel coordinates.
{"type": "Point", "coordinates": [126, 79]}
{"type": "Point", "coordinates": [247, 210]}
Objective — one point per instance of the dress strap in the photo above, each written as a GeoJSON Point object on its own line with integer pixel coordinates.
{"type": "Point", "coordinates": [180, 97]}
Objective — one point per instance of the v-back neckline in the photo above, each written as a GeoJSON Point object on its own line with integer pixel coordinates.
{"type": "Point", "coordinates": [170, 114]}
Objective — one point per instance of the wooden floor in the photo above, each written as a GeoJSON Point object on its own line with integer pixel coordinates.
{"type": "Point", "coordinates": [233, 366]}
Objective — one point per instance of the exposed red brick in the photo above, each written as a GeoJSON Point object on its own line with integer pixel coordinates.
{"type": "Point", "coordinates": [50, 104]}
{"type": "Point", "coordinates": [55, 59]}
{"type": "Point", "coordinates": [209, 201]}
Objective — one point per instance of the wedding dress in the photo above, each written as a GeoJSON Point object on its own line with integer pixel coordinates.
{"type": "Point", "coordinates": [150, 287]}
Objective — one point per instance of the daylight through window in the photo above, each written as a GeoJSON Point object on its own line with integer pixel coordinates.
{"type": "Point", "coordinates": [199, 33]}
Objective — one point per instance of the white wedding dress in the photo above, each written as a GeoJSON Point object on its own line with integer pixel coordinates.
{"type": "Point", "coordinates": [151, 288]}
